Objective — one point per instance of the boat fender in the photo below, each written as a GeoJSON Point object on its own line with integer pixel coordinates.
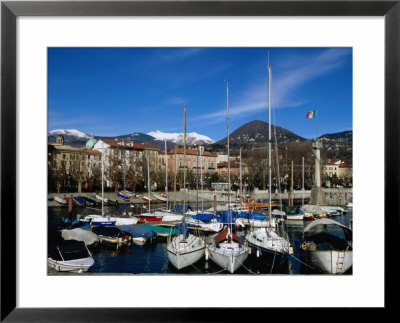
{"type": "Point", "coordinates": [258, 253]}
{"type": "Point", "coordinates": [206, 254]}
{"type": "Point", "coordinates": [249, 251]}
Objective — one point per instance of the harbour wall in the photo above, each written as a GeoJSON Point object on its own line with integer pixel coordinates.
{"type": "Point", "coordinates": [331, 196]}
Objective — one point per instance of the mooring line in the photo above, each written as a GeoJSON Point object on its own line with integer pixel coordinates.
{"type": "Point", "coordinates": [303, 262]}
{"type": "Point", "coordinates": [196, 268]}
{"type": "Point", "coordinates": [217, 272]}
{"type": "Point", "coordinates": [249, 270]}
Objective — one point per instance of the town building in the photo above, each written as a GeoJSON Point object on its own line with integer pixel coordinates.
{"type": "Point", "coordinates": [119, 155]}
{"type": "Point", "coordinates": [68, 164]}
{"type": "Point", "coordinates": [331, 167]}
{"type": "Point", "coordinates": [222, 168]}
{"type": "Point", "coordinates": [196, 159]}
{"type": "Point", "coordinates": [340, 170]}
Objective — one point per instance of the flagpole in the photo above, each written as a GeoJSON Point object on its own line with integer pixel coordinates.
{"type": "Point", "coordinates": [316, 121]}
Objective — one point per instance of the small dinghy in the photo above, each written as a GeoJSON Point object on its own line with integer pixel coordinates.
{"type": "Point", "coordinates": [60, 200]}
{"type": "Point", "coordinates": [87, 201]}
{"type": "Point", "coordinates": [79, 201]}
{"type": "Point", "coordinates": [112, 236]}
{"type": "Point", "coordinates": [99, 197]}
{"type": "Point", "coordinates": [69, 256]}
{"type": "Point", "coordinates": [139, 234]}
{"type": "Point", "coordinates": [123, 196]}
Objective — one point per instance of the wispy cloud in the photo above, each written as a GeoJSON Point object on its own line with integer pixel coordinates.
{"type": "Point", "coordinates": [178, 54]}
{"type": "Point", "coordinates": [292, 76]}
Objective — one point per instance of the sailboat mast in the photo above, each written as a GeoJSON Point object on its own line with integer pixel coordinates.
{"type": "Point", "coordinates": [269, 144]}
{"type": "Point", "coordinates": [201, 180]}
{"type": "Point", "coordinates": [102, 182]}
{"type": "Point", "coordinates": [240, 174]}
{"type": "Point", "coordinates": [176, 165]}
{"type": "Point", "coordinates": [123, 151]}
{"type": "Point", "coordinates": [166, 173]}
{"type": "Point", "coordinates": [291, 187]}
{"type": "Point", "coordinates": [302, 180]}
{"type": "Point", "coordinates": [184, 160]}
{"type": "Point", "coordinates": [148, 179]}
{"type": "Point", "coordinates": [229, 168]}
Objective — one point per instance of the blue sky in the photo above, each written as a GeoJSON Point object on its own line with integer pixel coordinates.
{"type": "Point", "coordinates": [116, 91]}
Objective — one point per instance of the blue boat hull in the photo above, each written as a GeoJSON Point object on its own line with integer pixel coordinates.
{"type": "Point", "coordinates": [103, 223]}
{"type": "Point", "coordinates": [269, 257]}
{"type": "Point", "coordinates": [123, 197]}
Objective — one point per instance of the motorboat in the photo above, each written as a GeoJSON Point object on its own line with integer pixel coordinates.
{"type": "Point", "coordinates": [139, 234]}
{"type": "Point", "coordinates": [78, 234]}
{"type": "Point", "coordinates": [327, 246]}
{"type": "Point", "coordinates": [69, 256]}
{"type": "Point", "coordinates": [112, 236]}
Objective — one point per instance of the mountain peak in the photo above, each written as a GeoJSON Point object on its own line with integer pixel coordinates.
{"type": "Point", "coordinates": [69, 132]}
{"type": "Point", "coordinates": [191, 138]}
{"type": "Point", "coordinates": [256, 131]}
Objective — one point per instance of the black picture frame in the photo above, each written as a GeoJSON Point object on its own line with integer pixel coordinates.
{"type": "Point", "coordinates": [10, 10]}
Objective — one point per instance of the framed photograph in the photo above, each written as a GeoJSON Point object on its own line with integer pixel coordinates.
{"type": "Point", "coordinates": [106, 110]}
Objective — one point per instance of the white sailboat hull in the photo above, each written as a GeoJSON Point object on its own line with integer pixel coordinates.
{"type": "Point", "coordinates": [167, 216]}
{"type": "Point", "coordinates": [229, 256]}
{"type": "Point", "coordinates": [76, 265]}
{"type": "Point", "coordinates": [212, 226]}
{"type": "Point", "coordinates": [330, 261]}
{"type": "Point", "coordinates": [183, 252]}
{"type": "Point", "coordinates": [295, 217]}
{"type": "Point", "coordinates": [124, 221]}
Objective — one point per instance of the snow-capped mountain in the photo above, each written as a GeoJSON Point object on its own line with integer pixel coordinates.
{"type": "Point", "coordinates": [72, 137]}
{"type": "Point", "coordinates": [191, 138]}
{"type": "Point", "coordinates": [69, 132]}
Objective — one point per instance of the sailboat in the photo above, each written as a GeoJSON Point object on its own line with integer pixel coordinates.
{"type": "Point", "coordinates": [103, 220]}
{"type": "Point", "coordinates": [95, 219]}
{"type": "Point", "coordinates": [149, 217]}
{"type": "Point", "coordinates": [185, 249]}
{"type": "Point", "coordinates": [226, 250]}
{"type": "Point", "coordinates": [168, 216]}
{"type": "Point", "coordinates": [267, 244]}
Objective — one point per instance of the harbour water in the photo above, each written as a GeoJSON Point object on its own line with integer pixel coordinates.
{"type": "Point", "coordinates": [152, 258]}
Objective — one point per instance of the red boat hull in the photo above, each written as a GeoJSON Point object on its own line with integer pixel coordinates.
{"type": "Point", "coordinates": [149, 218]}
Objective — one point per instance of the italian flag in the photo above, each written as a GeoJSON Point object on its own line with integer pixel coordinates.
{"type": "Point", "coordinates": [311, 114]}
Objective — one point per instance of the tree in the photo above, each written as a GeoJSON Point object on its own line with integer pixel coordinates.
{"type": "Point", "coordinates": [78, 172]}
{"type": "Point", "coordinates": [95, 177]}
{"type": "Point", "coordinates": [115, 175]}
{"type": "Point", "coordinates": [60, 176]}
